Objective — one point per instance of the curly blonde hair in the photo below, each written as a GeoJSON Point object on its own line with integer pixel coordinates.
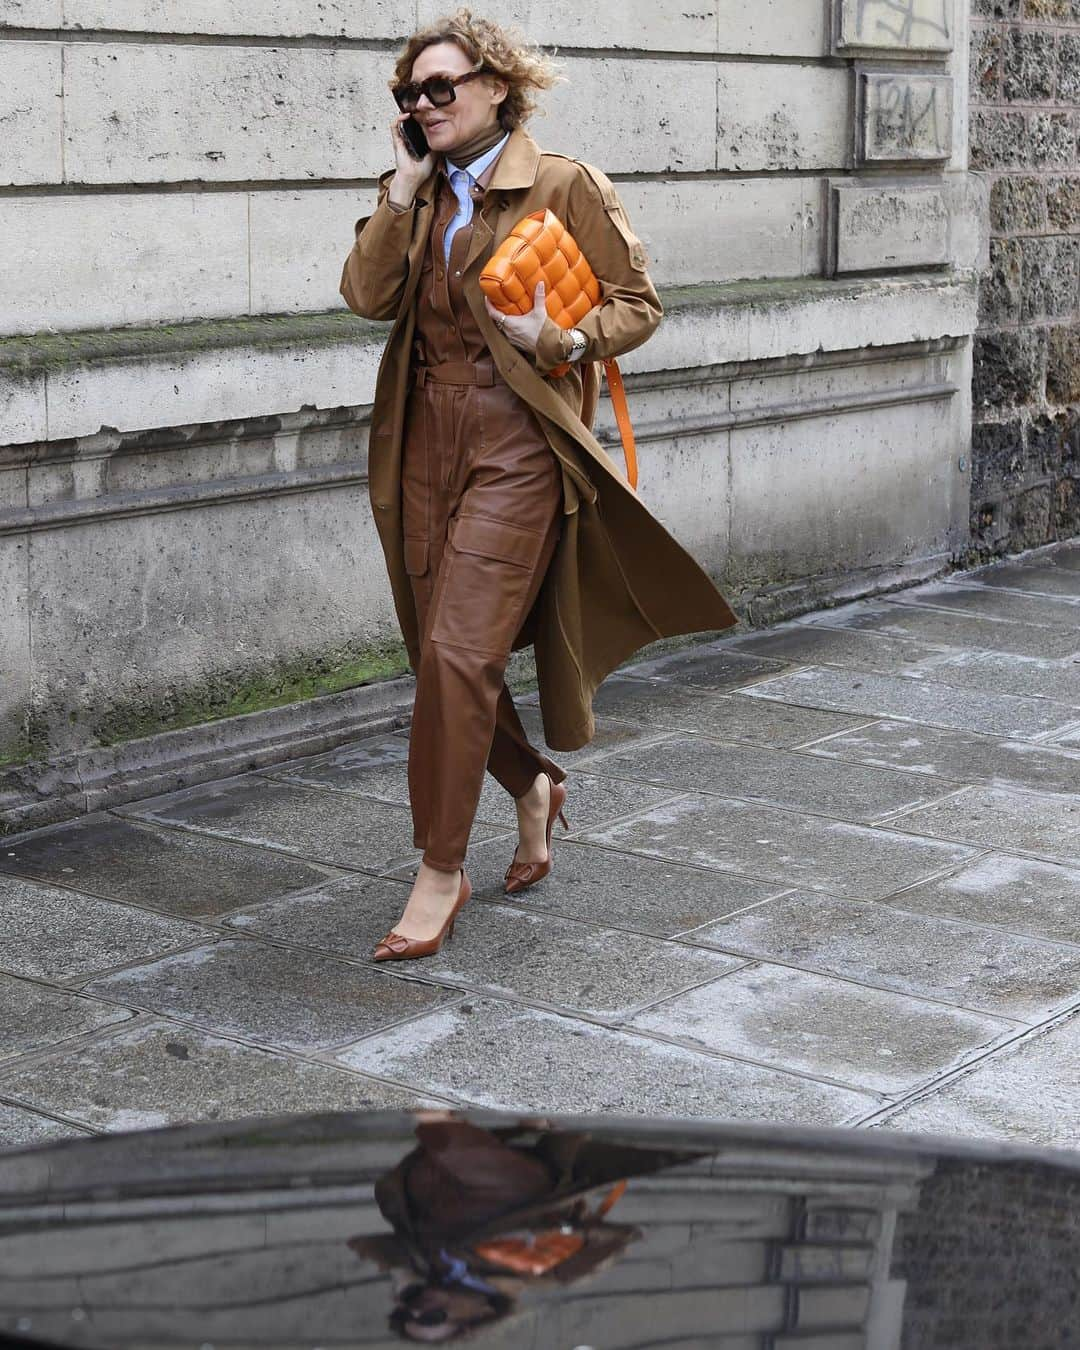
{"type": "Point", "coordinates": [500, 51]}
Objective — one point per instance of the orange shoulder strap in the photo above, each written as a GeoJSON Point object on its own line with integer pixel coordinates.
{"type": "Point", "coordinates": [622, 417]}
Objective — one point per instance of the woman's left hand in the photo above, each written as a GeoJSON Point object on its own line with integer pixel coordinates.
{"type": "Point", "coordinates": [523, 330]}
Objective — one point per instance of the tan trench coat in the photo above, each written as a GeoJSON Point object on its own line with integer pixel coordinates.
{"type": "Point", "coordinates": [618, 580]}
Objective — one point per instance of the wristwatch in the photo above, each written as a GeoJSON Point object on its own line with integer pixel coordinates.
{"type": "Point", "coordinates": [578, 343]}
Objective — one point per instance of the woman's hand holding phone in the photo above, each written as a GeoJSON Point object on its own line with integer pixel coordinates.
{"type": "Point", "coordinates": [411, 171]}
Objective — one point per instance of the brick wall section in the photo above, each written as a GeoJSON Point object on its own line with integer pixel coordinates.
{"type": "Point", "coordinates": [1025, 125]}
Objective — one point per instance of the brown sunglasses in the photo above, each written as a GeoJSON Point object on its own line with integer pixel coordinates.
{"type": "Point", "coordinates": [438, 88]}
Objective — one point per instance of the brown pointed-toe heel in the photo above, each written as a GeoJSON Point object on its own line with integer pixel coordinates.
{"type": "Point", "coordinates": [520, 876]}
{"type": "Point", "coordinates": [395, 947]}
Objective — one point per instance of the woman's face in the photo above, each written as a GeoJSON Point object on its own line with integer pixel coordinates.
{"type": "Point", "coordinates": [475, 106]}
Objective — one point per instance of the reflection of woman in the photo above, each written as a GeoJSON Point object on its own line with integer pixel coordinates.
{"type": "Point", "coordinates": [478, 1215]}
{"type": "Point", "coordinates": [486, 482]}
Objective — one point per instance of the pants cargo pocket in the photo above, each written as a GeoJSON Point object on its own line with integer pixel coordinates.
{"type": "Point", "coordinates": [487, 583]}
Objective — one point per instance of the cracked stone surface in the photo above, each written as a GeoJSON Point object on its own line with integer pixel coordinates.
{"type": "Point", "coordinates": [822, 873]}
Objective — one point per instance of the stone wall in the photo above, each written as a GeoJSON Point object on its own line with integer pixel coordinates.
{"type": "Point", "coordinates": [1025, 94]}
{"type": "Point", "coordinates": [184, 400]}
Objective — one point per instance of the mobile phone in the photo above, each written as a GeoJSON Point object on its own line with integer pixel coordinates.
{"type": "Point", "coordinates": [414, 136]}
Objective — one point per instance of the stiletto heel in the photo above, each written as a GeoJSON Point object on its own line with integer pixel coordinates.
{"type": "Point", "coordinates": [520, 876]}
{"type": "Point", "coordinates": [395, 947]}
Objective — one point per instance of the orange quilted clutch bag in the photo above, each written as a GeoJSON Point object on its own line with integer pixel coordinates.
{"type": "Point", "coordinates": [540, 247]}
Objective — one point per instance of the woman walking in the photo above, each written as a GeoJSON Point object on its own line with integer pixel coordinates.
{"type": "Point", "coordinates": [502, 519]}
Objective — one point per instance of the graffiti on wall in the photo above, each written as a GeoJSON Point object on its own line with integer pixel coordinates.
{"type": "Point", "coordinates": [900, 25]}
{"type": "Point", "coordinates": [907, 116]}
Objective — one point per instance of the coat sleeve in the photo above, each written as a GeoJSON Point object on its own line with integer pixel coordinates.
{"type": "Point", "coordinates": [374, 275]}
{"type": "Point", "coordinates": [630, 309]}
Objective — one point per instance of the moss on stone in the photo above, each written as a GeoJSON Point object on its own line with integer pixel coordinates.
{"type": "Point", "coordinates": [233, 696]}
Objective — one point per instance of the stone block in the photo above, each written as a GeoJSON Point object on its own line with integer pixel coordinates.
{"type": "Point", "coordinates": [1053, 611]}
{"type": "Point", "coordinates": [1029, 65]}
{"type": "Point", "coordinates": [1063, 364]}
{"type": "Point", "coordinates": [799, 122]}
{"type": "Point", "coordinates": [763, 842]}
{"type": "Point", "coordinates": [33, 1017]}
{"type": "Point", "coordinates": [14, 644]}
{"type": "Point", "coordinates": [158, 1073]}
{"type": "Point", "coordinates": [22, 408]}
{"type": "Point", "coordinates": [1020, 204]}
{"type": "Point", "coordinates": [1000, 287]}
{"type": "Point", "coordinates": [30, 114]}
{"type": "Point", "coordinates": [958, 630]}
{"type": "Point", "coordinates": [772, 28]}
{"type": "Point", "coordinates": [166, 870]}
{"type": "Point", "coordinates": [877, 229]}
{"type": "Point", "coordinates": [114, 260]}
{"type": "Point", "coordinates": [829, 1028]}
{"type": "Point", "coordinates": [20, 1128]}
{"type": "Point", "coordinates": [984, 70]}
{"type": "Point", "coordinates": [1063, 203]}
{"type": "Point", "coordinates": [56, 934]}
{"type": "Point", "coordinates": [640, 25]}
{"type": "Point", "coordinates": [1036, 899]}
{"type": "Point", "coordinates": [1051, 139]}
{"type": "Point", "coordinates": [223, 113]}
{"type": "Point", "coordinates": [1028, 1094]}
{"type": "Point", "coordinates": [909, 28]}
{"type": "Point", "coordinates": [917, 700]}
{"type": "Point", "coordinates": [245, 18]}
{"type": "Point", "coordinates": [905, 116]}
{"type": "Point", "coordinates": [1068, 71]}
{"type": "Point", "coordinates": [543, 1058]}
{"type": "Point", "coordinates": [1046, 826]}
{"type": "Point", "coordinates": [1008, 368]}
{"type": "Point", "coordinates": [996, 9]}
{"type": "Point", "coordinates": [299, 243]}
{"type": "Point", "coordinates": [999, 139]}
{"type": "Point", "coordinates": [767, 775]}
{"type": "Point", "coordinates": [288, 999]}
{"type": "Point", "coordinates": [30, 13]}
{"type": "Point", "coordinates": [245, 380]}
{"type": "Point", "coordinates": [880, 945]}
{"type": "Point", "coordinates": [963, 757]}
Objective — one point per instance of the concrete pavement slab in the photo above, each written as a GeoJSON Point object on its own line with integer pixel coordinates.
{"type": "Point", "coordinates": [960, 963]}
{"type": "Point", "coordinates": [816, 645]}
{"type": "Point", "coordinates": [58, 935]}
{"type": "Point", "coordinates": [32, 1016]}
{"type": "Point", "coordinates": [727, 716]}
{"type": "Point", "coordinates": [1020, 894]}
{"type": "Point", "coordinates": [997, 603]}
{"type": "Point", "coordinates": [866, 1038]}
{"type": "Point", "coordinates": [287, 998]}
{"type": "Point", "coordinates": [591, 799]}
{"type": "Point", "coordinates": [20, 1128]}
{"type": "Point", "coordinates": [716, 666]}
{"type": "Point", "coordinates": [1002, 673]}
{"type": "Point", "coordinates": [768, 844]}
{"type": "Point", "coordinates": [158, 1073]}
{"type": "Point", "coordinates": [346, 917]}
{"type": "Point", "coordinates": [180, 873]}
{"type": "Point", "coordinates": [1004, 818]}
{"type": "Point", "coordinates": [338, 828]}
{"type": "Point", "coordinates": [611, 734]}
{"type": "Point", "coordinates": [359, 766]}
{"type": "Point", "coordinates": [774, 776]}
{"type": "Point", "coordinates": [616, 890]}
{"type": "Point", "coordinates": [923, 700]}
{"type": "Point", "coordinates": [1028, 1093]}
{"type": "Point", "coordinates": [952, 630]}
{"type": "Point", "coordinates": [603, 974]}
{"type": "Point", "coordinates": [494, 1054]}
{"type": "Point", "coordinates": [1060, 578]}
{"type": "Point", "coordinates": [960, 756]}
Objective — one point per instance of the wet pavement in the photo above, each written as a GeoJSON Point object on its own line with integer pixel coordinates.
{"type": "Point", "coordinates": [825, 873]}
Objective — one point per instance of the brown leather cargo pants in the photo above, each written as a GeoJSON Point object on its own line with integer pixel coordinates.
{"type": "Point", "coordinates": [482, 510]}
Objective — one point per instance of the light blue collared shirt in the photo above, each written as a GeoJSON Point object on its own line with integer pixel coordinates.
{"type": "Point", "coordinates": [462, 181]}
